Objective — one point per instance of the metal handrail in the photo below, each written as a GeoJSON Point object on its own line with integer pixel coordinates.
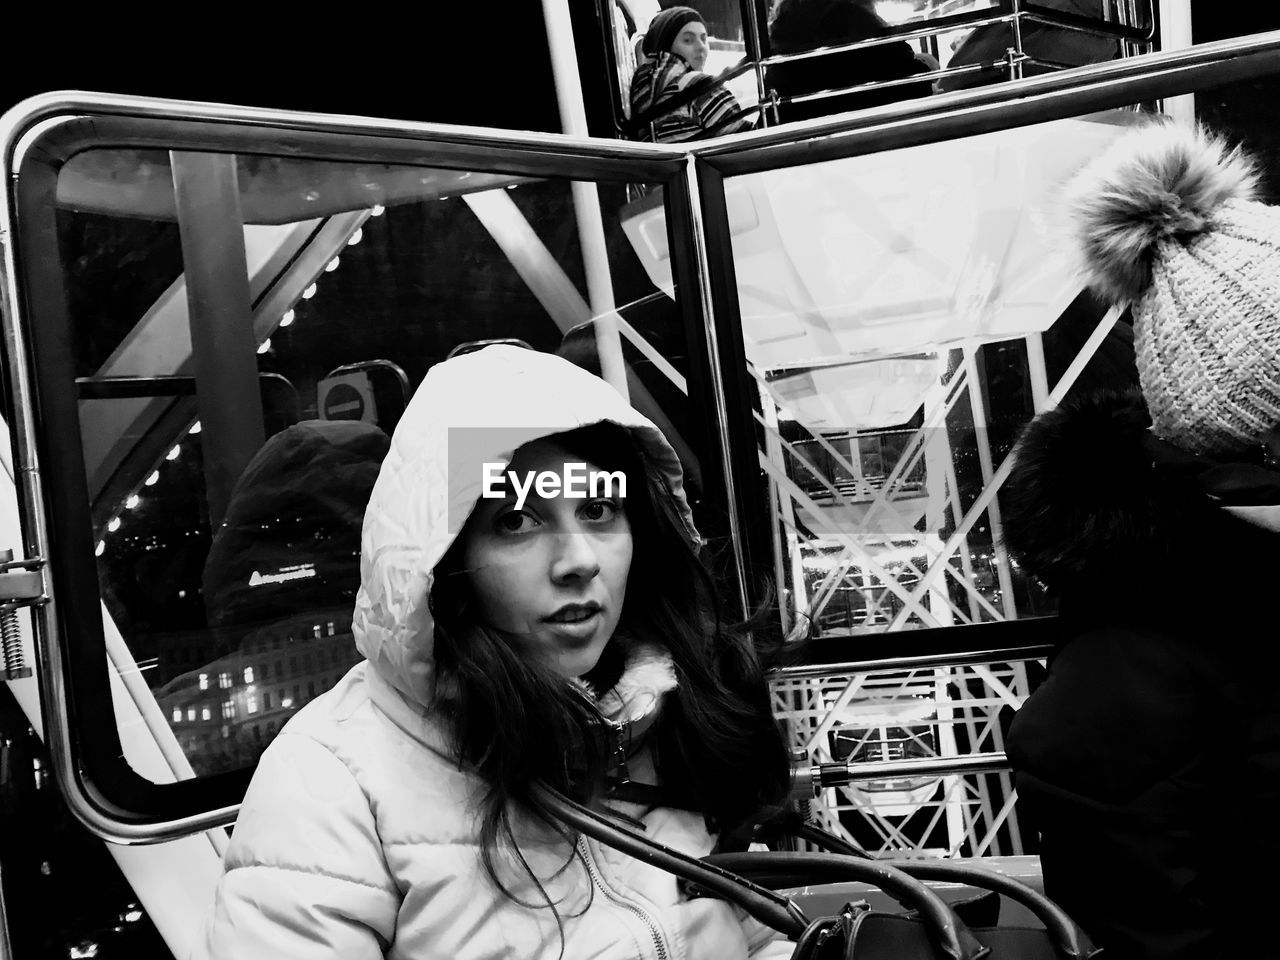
{"type": "Point", "coordinates": [813, 778]}
{"type": "Point", "coordinates": [930, 661]}
{"type": "Point", "coordinates": [943, 25]}
{"type": "Point", "coordinates": [815, 667]}
{"type": "Point", "coordinates": [167, 385]}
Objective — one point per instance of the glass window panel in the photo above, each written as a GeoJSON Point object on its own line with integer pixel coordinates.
{"type": "Point", "coordinates": [967, 56]}
{"type": "Point", "coordinates": [901, 312]}
{"type": "Point", "coordinates": [359, 278]}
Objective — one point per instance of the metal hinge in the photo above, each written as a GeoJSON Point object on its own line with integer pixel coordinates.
{"type": "Point", "coordinates": [21, 585]}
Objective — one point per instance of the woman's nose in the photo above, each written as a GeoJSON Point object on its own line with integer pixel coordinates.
{"type": "Point", "coordinates": [575, 558]}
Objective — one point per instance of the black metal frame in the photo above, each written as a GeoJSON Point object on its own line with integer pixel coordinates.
{"type": "Point", "coordinates": [116, 793]}
{"type": "Point", "coordinates": [179, 385]}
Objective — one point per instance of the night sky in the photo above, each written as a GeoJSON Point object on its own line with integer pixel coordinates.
{"type": "Point", "coordinates": [447, 63]}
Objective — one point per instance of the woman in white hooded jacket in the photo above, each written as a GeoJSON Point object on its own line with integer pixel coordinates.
{"type": "Point", "coordinates": [512, 633]}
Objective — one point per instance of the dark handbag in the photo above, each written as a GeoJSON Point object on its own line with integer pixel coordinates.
{"type": "Point", "coordinates": [928, 929]}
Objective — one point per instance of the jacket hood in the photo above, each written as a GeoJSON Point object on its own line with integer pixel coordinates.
{"type": "Point", "coordinates": [1096, 499]}
{"type": "Point", "coordinates": [470, 410]}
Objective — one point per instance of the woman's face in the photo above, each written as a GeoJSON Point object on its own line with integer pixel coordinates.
{"type": "Point", "coordinates": [553, 572]}
{"type": "Point", "coordinates": [691, 43]}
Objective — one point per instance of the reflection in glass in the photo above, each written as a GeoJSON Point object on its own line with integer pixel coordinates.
{"type": "Point", "coordinates": [797, 26]}
{"type": "Point", "coordinates": [895, 311]}
{"type": "Point", "coordinates": [230, 574]}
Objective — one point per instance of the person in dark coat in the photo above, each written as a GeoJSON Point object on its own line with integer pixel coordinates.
{"type": "Point", "coordinates": [281, 577]}
{"type": "Point", "coordinates": [801, 25]}
{"type": "Point", "coordinates": [1050, 46]}
{"type": "Point", "coordinates": [1150, 755]}
{"type": "Point", "coordinates": [290, 541]}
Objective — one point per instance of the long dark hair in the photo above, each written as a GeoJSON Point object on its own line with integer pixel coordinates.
{"type": "Point", "coordinates": [715, 744]}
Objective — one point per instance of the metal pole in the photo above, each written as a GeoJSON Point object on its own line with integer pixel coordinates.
{"type": "Point", "coordinates": [1175, 34]}
{"type": "Point", "coordinates": [783, 523]}
{"type": "Point", "coordinates": [985, 814]}
{"type": "Point", "coordinates": [586, 198]}
{"type": "Point", "coordinates": [702, 271]}
{"type": "Point", "coordinates": [978, 406]}
{"type": "Point", "coordinates": [1037, 372]}
{"type": "Point", "coordinates": [823, 775]}
{"type": "Point", "coordinates": [220, 313]}
{"type": "Point", "coordinates": [754, 38]}
{"type": "Point", "coordinates": [1017, 53]}
{"type": "Point", "coordinates": [6, 948]}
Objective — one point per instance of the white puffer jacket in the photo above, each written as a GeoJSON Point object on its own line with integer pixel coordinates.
{"type": "Point", "coordinates": [358, 837]}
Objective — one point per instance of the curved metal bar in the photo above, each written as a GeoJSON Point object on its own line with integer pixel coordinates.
{"type": "Point", "coordinates": [764, 905]}
{"type": "Point", "coordinates": [27, 485]}
{"type": "Point", "coordinates": [1035, 651]}
{"type": "Point", "coordinates": [944, 24]}
{"type": "Point", "coordinates": [820, 776]}
{"type": "Point", "coordinates": [895, 82]}
{"type": "Point", "coordinates": [265, 131]}
{"type": "Point", "coordinates": [949, 934]}
{"type": "Point", "coordinates": [792, 869]}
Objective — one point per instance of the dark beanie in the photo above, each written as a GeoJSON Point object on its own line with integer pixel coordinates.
{"type": "Point", "coordinates": [666, 26]}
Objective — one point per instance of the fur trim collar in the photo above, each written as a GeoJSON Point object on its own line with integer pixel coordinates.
{"type": "Point", "coordinates": [1266, 517]}
{"type": "Point", "coordinates": [648, 675]}
{"type": "Point", "coordinates": [1095, 498]}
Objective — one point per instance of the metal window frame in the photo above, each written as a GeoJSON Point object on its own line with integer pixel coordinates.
{"type": "Point", "coordinates": [41, 134]}
{"type": "Point", "coordinates": [760, 54]}
{"type": "Point", "coordinates": [39, 137]}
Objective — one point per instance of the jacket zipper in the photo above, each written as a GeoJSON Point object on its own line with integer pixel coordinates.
{"type": "Point", "coordinates": [647, 920]}
{"type": "Point", "coordinates": [618, 757]}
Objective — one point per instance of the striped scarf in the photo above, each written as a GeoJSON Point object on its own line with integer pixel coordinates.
{"type": "Point", "coordinates": [710, 114]}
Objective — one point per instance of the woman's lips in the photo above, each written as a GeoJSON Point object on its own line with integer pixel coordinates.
{"type": "Point", "coordinates": [580, 630]}
{"type": "Point", "coordinates": [574, 614]}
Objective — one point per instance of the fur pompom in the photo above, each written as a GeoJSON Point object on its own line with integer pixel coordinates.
{"type": "Point", "coordinates": [1160, 182]}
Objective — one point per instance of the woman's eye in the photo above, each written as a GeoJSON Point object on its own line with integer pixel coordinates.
{"type": "Point", "coordinates": [601, 510]}
{"type": "Point", "coordinates": [514, 521]}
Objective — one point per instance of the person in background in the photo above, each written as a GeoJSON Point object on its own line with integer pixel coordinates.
{"type": "Point", "coordinates": [512, 638]}
{"type": "Point", "coordinates": [801, 25]}
{"type": "Point", "coordinates": [1150, 755]}
{"type": "Point", "coordinates": [672, 100]}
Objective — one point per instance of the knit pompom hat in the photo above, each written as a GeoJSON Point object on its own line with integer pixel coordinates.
{"type": "Point", "coordinates": [666, 26]}
{"type": "Point", "coordinates": [1166, 219]}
